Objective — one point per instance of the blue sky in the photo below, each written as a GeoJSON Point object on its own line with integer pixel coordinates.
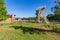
{"type": "Point", "coordinates": [27, 8]}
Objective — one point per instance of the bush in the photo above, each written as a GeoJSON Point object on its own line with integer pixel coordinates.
{"type": "Point", "coordinates": [53, 26]}
{"type": "Point", "coordinates": [56, 29]}
{"type": "Point", "coordinates": [49, 25]}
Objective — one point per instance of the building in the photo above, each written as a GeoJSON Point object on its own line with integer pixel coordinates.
{"type": "Point", "coordinates": [10, 19]}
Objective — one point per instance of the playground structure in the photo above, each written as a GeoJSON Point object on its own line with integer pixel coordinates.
{"type": "Point", "coordinates": [38, 15]}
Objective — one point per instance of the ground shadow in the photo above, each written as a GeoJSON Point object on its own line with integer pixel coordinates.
{"type": "Point", "coordinates": [31, 30]}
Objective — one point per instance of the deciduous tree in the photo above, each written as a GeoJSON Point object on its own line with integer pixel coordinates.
{"type": "Point", "coordinates": [3, 11]}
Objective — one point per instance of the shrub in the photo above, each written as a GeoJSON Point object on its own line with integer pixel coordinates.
{"type": "Point", "coordinates": [56, 29]}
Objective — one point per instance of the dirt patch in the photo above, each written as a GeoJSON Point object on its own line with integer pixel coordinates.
{"type": "Point", "coordinates": [56, 36]}
{"type": "Point", "coordinates": [41, 27]}
{"type": "Point", "coordinates": [5, 28]}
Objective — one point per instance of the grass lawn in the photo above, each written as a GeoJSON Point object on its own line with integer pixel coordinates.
{"type": "Point", "coordinates": [14, 31]}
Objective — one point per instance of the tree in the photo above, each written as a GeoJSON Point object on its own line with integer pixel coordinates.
{"type": "Point", "coordinates": [56, 9]}
{"type": "Point", "coordinates": [3, 11]}
{"type": "Point", "coordinates": [50, 16]}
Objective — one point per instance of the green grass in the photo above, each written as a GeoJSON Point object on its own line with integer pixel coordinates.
{"type": "Point", "coordinates": [19, 35]}
{"type": "Point", "coordinates": [15, 32]}
{"type": "Point", "coordinates": [18, 24]}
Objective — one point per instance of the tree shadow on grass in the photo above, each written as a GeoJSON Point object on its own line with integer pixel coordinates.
{"type": "Point", "coordinates": [31, 30]}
